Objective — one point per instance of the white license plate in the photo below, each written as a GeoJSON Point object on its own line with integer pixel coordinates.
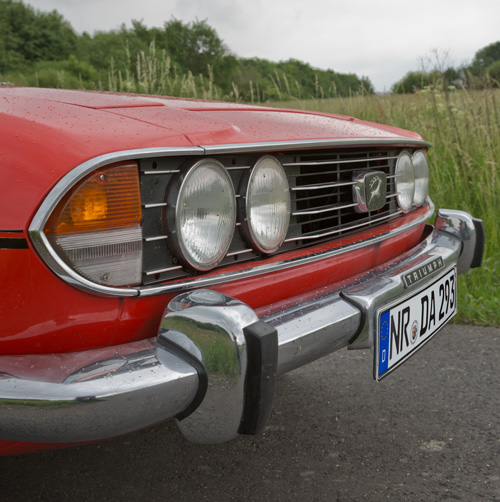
{"type": "Point", "coordinates": [405, 326]}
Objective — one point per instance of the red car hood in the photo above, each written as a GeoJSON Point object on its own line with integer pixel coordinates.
{"type": "Point", "coordinates": [46, 132]}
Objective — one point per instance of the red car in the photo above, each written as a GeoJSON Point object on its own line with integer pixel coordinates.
{"type": "Point", "coordinates": [169, 258]}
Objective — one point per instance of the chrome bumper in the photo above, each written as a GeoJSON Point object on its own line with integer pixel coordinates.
{"type": "Point", "coordinates": [214, 363]}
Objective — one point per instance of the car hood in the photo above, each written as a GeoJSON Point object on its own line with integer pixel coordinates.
{"type": "Point", "coordinates": [44, 133]}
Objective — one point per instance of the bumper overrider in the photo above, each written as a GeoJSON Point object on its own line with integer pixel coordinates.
{"type": "Point", "coordinates": [214, 364]}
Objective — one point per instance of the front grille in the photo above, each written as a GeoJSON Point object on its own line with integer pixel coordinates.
{"type": "Point", "coordinates": [321, 193]}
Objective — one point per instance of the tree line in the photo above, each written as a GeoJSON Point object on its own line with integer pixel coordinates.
{"type": "Point", "coordinates": [42, 49]}
{"type": "Point", "coordinates": [484, 71]}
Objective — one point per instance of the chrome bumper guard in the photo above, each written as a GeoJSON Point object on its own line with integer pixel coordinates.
{"type": "Point", "coordinates": [214, 363]}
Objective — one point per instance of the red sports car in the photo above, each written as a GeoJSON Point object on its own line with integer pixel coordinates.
{"type": "Point", "coordinates": [169, 258]}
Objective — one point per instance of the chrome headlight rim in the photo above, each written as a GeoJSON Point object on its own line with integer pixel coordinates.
{"type": "Point", "coordinates": [421, 170]}
{"type": "Point", "coordinates": [174, 198]}
{"type": "Point", "coordinates": [404, 168]}
{"type": "Point", "coordinates": [251, 234]}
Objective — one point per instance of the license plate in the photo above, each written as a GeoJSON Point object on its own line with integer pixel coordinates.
{"type": "Point", "coordinates": [405, 326]}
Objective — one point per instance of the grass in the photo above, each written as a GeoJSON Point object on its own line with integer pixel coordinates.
{"type": "Point", "coordinates": [464, 127]}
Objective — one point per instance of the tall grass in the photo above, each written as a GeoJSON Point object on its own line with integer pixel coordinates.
{"type": "Point", "coordinates": [464, 127]}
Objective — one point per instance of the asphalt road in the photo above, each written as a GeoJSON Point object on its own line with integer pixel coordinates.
{"type": "Point", "coordinates": [428, 432]}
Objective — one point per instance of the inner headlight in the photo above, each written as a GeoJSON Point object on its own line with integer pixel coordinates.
{"type": "Point", "coordinates": [267, 205]}
{"type": "Point", "coordinates": [421, 169]}
{"type": "Point", "coordinates": [201, 215]}
{"type": "Point", "coordinates": [405, 181]}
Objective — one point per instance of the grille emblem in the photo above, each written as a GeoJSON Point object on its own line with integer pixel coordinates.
{"type": "Point", "coordinates": [369, 191]}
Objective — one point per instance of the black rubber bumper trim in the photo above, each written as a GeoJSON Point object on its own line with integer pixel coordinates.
{"type": "Point", "coordinates": [260, 382]}
{"type": "Point", "coordinates": [477, 260]}
{"type": "Point", "coordinates": [198, 366]}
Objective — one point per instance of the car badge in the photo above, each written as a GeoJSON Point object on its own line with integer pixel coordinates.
{"type": "Point", "coordinates": [369, 191]}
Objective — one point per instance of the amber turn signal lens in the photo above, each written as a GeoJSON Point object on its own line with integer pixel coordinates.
{"type": "Point", "coordinates": [96, 227]}
{"type": "Point", "coordinates": [109, 198]}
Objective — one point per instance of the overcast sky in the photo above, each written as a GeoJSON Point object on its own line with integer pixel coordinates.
{"type": "Point", "coordinates": [380, 39]}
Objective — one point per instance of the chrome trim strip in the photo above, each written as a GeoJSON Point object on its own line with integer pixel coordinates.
{"type": "Point", "coordinates": [236, 253]}
{"type": "Point", "coordinates": [313, 143]}
{"type": "Point", "coordinates": [162, 270]}
{"type": "Point", "coordinates": [157, 238]}
{"type": "Point", "coordinates": [171, 171]}
{"type": "Point", "coordinates": [201, 282]}
{"type": "Point", "coordinates": [158, 204]}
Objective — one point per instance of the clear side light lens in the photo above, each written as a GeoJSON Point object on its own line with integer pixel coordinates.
{"type": "Point", "coordinates": [96, 228]}
{"type": "Point", "coordinates": [421, 168]}
{"type": "Point", "coordinates": [205, 215]}
{"type": "Point", "coordinates": [405, 181]}
{"type": "Point", "coordinates": [267, 205]}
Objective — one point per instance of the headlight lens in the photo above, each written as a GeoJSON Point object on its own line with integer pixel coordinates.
{"type": "Point", "coordinates": [267, 205]}
{"type": "Point", "coordinates": [205, 215]}
{"type": "Point", "coordinates": [96, 228]}
{"type": "Point", "coordinates": [421, 169]}
{"type": "Point", "coordinates": [405, 181]}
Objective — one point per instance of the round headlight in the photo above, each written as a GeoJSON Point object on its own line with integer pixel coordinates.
{"type": "Point", "coordinates": [267, 205]}
{"type": "Point", "coordinates": [205, 215]}
{"type": "Point", "coordinates": [421, 169]}
{"type": "Point", "coordinates": [405, 181]}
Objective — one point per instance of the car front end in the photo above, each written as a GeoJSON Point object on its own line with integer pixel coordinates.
{"type": "Point", "coordinates": [167, 258]}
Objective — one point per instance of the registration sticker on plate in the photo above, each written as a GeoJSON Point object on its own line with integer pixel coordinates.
{"type": "Point", "coordinates": [404, 327]}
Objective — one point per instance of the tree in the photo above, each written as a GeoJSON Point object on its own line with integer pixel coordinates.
{"type": "Point", "coordinates": [485, 57]}
{"type": "Point", "coordinates": [27, 35]}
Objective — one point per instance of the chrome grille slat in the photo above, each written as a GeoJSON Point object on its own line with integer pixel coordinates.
{"type": "Point", "coordinates": [346, 229]}
{"type": "Point", "coordinates": [322, 186]}
{"type": "Point", "coordinates": [324, 210]}
{"type": "Point", "coordinates": [327, 173]}
{"type": "Point", "coordinates": [336, 161]}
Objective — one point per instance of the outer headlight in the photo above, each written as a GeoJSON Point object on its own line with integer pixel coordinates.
{"type": "Point", "coordinates": [405, 181]}
{"type": "Point", "coordinates": [96, 227]}
{"type": "Point", "coordinates": [201, 214]}
{"type": "Point", "coordinates": [421, 169]}
{"type": "Point", "coordinates": [267, 205]}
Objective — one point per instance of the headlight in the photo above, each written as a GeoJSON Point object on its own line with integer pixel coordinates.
{"type": "Point", "coordinates": [267, 205]}
{"type": "Point", "coordinates": [405, 181]}
{"type": "Point", "coordinates": [96, 227]}
{"type": "Point", "coordinates": [201, 215]}
{"type": "Point", "coordinates": [421, 169]}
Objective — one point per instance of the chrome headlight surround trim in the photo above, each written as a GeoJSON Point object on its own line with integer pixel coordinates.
{"type": "Point", "coordinates": [54, 262]}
